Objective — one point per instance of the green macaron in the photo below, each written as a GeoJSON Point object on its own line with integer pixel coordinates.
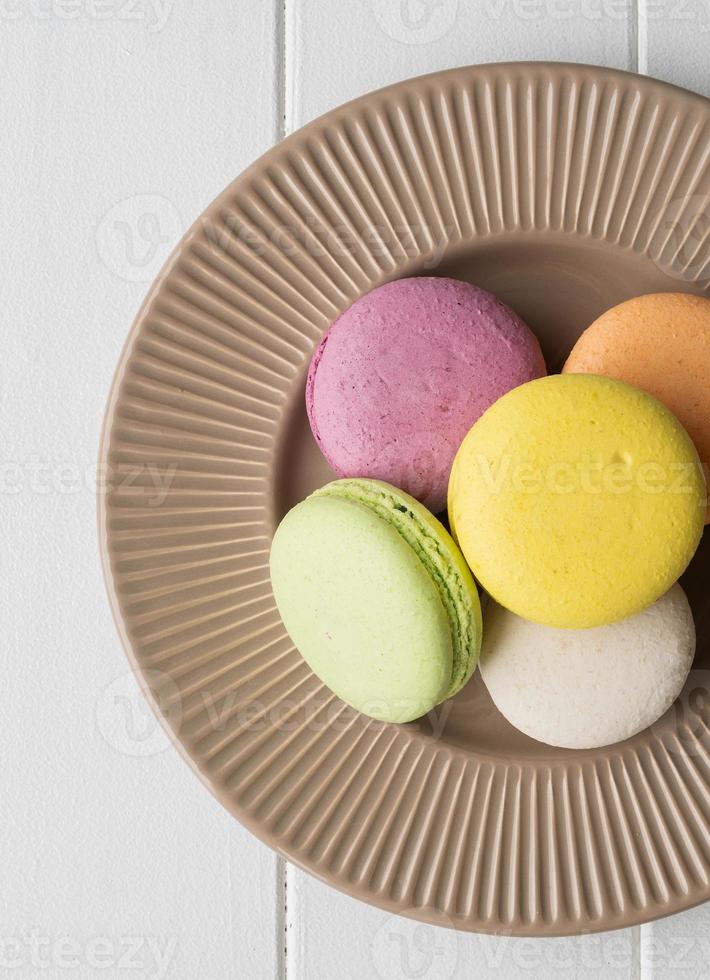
{"type": "Point", "coordinates": [377, 598]}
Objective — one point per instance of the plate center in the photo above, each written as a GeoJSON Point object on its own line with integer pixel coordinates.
{"type": "Point", "coordinates": [559, 284]}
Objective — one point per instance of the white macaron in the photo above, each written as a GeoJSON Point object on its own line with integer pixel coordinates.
{"type": "Point", "coordinates": [583, 689]}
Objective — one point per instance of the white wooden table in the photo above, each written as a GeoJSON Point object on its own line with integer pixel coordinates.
{"type": "Point", "coordinates": [121, 120]}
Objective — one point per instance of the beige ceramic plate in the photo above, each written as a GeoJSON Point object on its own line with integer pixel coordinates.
{"type": "Point", "coordinates": [564, 189]}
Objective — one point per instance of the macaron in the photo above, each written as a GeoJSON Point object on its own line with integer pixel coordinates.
{"type": "Point", "coordinates": [661, 344]}
{"type": "Point", "coordinates": [377, 598]}
{"type": "Point", "coordinates": [577, 500]}
{"type": "Point", "coordinates": [581, 689]}
{"type": "Point", "coordinates": [402, 375]}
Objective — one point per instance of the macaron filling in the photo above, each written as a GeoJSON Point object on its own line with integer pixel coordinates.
{"type": "Point", "coordinates": [438, 556]}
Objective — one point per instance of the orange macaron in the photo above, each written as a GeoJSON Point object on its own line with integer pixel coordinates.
{"type": "Point", "coordinates": [659, 343]}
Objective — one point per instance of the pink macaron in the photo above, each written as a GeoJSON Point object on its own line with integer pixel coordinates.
{"type": "Point", "coordinates": [403, 374]}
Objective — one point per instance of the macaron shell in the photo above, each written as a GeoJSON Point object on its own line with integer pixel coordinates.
{"type": "Point", "coordinates": [440, 555]}
{"type": "Point", "coordinates": [401, 376]}
{"type": "Point", "coordinates": [361, 609]}
{"type": "Point", "coordinates": [661, 344]}
{"type": "Point", "coordinates": [577, 500]}
{"type": "Point", "coordinates": [582, 689]}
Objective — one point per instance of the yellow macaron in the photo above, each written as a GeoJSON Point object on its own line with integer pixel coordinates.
{"type": "Point", "coordinates": [577, 500]}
